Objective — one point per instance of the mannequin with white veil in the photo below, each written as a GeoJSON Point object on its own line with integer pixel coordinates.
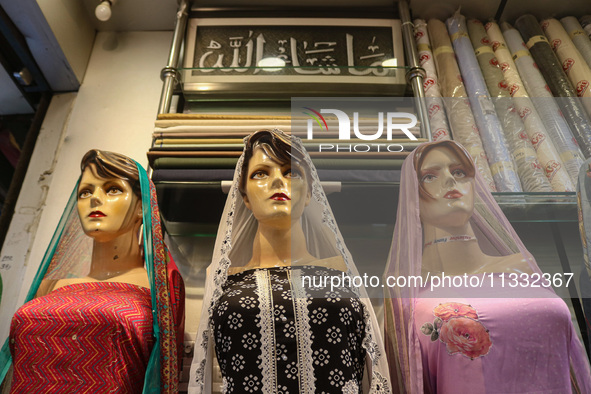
{"type": "Point", "coordinates": [466, 338]}
{"type": "Point", "coordinates": [269, 332]}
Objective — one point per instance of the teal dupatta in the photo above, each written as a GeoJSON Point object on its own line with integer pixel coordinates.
{"type": "Point", "coordinates": [162, 370]}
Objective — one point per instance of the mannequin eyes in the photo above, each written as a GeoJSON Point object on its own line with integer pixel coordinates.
{"type": "Point", "coordinates": [114, 191]}
{"type": "Point", "coordinates": [428, 178]}
{"type": "Point", "coordinates": [289, 173]}
{"type": "Point", "coordinates": [458, 173]}
{"type": "Point", "coordinates": [84, 194]}
{"type": "Point", "coordinates": [258, 175]}
{"type": "Point", "coordinates": [293, 173]}
{"type": "Point", "coordinates": [111, 191]}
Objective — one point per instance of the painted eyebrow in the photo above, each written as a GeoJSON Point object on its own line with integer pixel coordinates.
{"type": "Point", "coordinates": [107, 182]}
{"type": "Point", "coordinates": [432, 168]}
{"type": "Point", "coordinates": [83, 186]}
{"type": "Point", "coordinates": [259, 167]}
{"type": "Point", "coordinates": [438, 167]}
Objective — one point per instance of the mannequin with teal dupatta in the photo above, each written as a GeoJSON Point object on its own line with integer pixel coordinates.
{"type": "Point", "coordinates": [106, 308]}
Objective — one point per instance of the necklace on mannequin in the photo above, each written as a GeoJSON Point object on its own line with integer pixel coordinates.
{"type": "Point", "coordinates": [452, 238]}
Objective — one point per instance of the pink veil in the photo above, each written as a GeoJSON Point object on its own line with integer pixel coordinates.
{"type": "Point", "coordinates": [495, 236]}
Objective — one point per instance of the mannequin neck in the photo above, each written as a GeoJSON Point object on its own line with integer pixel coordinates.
{"type": "Point", "coordinates": [115, 257]}
{"type": "Point", "coordinates": [278, 247]}
{"type": "Point", "coordinates": [459, 252]}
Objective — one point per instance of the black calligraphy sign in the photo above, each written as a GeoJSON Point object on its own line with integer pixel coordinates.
{"type": "Point", "coordinates": [306, 50]}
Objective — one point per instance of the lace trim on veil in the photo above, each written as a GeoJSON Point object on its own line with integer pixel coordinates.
{"type": "Point", "coordinates": [379, 383]}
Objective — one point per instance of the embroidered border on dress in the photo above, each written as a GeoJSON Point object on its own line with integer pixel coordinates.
{"type": "Point", "coordinates": [369, 343]}
{"type": "Point", "coordinates": [304, 334]}
{"type": "Point", "coordinates": [266, 325]}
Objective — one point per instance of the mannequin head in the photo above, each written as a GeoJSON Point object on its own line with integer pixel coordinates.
{"type": "Point", "coordinates": [446, 184]}
{"type": "Point", "coordinates": [275, 180]}
{"type": "Point", "coordinates": [108, 195]}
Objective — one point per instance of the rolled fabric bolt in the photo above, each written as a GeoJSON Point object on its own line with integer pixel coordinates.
{"type": "Point", "coordinates": [547, 154]}
{"type": "Point", "coordinates": [529, 169]}
{"type": "Point", "coordinates": [586, 23]}
{"type": "Point", "coordinates": [557, 81]}
{"type": "Point", "coordinates": [578, 36]}
{"type": "Point", "coordinates": [491, 131]}
{"type": "Point", "coordinates": [573, 63]}
{"type": "Point", "coordinates": [545, 104]}
{"type": "Point", "coordinates": [455, 99]}
{"type": "Point", "coordinates": [437, 117]}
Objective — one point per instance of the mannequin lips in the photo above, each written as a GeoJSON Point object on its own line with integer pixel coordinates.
{"type": "Point", "coordinates": [96, 214]}
{"type": "Point", "coordinates": [280, 197]}
{"type": "Point", "coordinates": [453, 194]}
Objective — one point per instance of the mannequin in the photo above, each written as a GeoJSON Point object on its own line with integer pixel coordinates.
{"type": "Point", "coordinates": [277, 195]}
{"type": "Point", "coordinates": [105, 311]}
{"type": "Point", "coordinates": [446, 204]}
{"type": "Point", "coordinates": [270, 333]}
{"type": "Point", "coordinates": [467, 338]}
{"type": "Point", "coordinates": [116, 256]}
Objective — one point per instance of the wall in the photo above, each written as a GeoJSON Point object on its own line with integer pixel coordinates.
{"type": "Point", "coordinates": [115, 110]}
{"type": "Point", "coordinates": [72, 29]}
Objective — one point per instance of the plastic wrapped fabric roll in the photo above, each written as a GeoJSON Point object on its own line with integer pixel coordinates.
{"type": "Point", "coordinates": [205, 163]}
{"type": "Point", "coordinates": [369, 127]}
{"type": "Point", "coordinates": [192, 126]}
{"type": "Point", "coordinates": [225, 163]}
{"type": "Point", "coordinates": [220, 116]}
{"type": "Point", "coordinates": [529, 169]}
{"type": "Point", "coordinates": [191, 175]}
{"type": "Point", "coordinates": [544, 102]}
{"type": "Point", "coordinates": [578, 36]}
{"type": "Point", "coordinates": [576, 68]}
{"type": "Point", "coordinates": [160, 145]}
{"type": "Point", "coordinates": [491, 132]}
{"type": "Point", "coordinates": [586, 23]}
{"type": "Point", "coordinates": [557, 81]}
{"type": "Point", "coordinates": [437, 118]}
{"type": "Point", "coordinates": [547, 154]}
{"type": "Point", "coordinates": [181, 135]}
{"type": "Point", "coordinates": [455, 99]}
{"type": "Point", "coordinates": [208, 175]}
{"type": "Point", "coordinates": [205, 141]}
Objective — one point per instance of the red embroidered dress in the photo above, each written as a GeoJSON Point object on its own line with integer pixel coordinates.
{"type": "Point", "coordinates": [100, 333]}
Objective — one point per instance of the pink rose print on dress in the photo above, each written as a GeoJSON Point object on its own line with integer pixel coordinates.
{"type": "Point", "coordinates": [457, 326]}
{"type": "Point", "coordinates": [449, 310]}
{"type": "Point", "coordinates": [466, 336]}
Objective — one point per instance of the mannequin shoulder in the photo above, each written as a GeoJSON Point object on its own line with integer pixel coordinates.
{"type": "Point", "coordinates": [137, 276]}
{"type": "Point", "coordinates": [511, 263]}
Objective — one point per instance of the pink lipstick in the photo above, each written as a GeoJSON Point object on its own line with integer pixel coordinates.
{"type": "Point", "coordinates": [453, 194]}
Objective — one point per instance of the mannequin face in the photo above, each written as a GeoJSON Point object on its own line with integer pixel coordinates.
{"type": "Point", "coordinates": [445, 178]}
{"type": "Point", "coordinates": [107, 207]}
{"type": "Point", "coordinates": [275, 193]}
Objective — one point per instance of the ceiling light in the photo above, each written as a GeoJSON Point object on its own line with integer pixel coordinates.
{"type": "Point", "coordinates": [103, 10]}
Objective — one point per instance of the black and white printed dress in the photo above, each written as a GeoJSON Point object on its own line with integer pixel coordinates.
{"type": "Point", "coordinates": [273, 336]}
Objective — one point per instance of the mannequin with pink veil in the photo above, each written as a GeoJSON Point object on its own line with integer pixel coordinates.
{"type": "Point", "coordinates": [478, 334]}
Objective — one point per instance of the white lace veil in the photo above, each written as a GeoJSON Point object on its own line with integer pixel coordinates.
{"type": "Point", "coordinates": [233, 248]}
